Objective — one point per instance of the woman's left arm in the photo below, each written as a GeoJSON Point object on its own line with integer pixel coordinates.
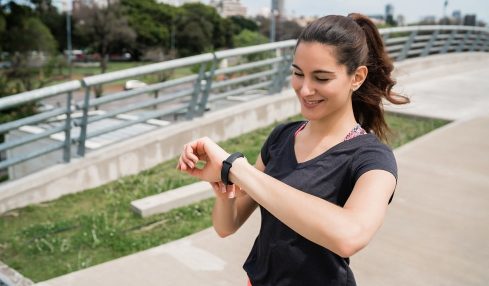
{"type": "Point", "coordinates": [343, 230]}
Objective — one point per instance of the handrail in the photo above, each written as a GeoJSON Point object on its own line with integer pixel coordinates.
{"type": "Point", "coordinates": [220, 75]}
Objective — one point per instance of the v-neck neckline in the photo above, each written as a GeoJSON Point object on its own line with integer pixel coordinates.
{"type": "Point", "coordinates": [291, 142]}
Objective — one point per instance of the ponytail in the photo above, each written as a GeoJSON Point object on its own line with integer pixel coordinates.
{"type": "Point", "coordinates": [357, 42]}
{"type": "Point", "coordinates": [367, 100]}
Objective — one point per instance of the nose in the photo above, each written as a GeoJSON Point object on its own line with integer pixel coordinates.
{"type": "Point", "coordinates": [306, 88]}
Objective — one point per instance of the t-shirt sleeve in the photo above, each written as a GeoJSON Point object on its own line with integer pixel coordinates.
{"type": "Point", "coordinates": [265, 149]}
{"type": "Point", "coordinates": [374, 157]}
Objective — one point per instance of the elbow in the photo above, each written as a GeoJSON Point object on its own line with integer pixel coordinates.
{"type": "Point", "coordinates": [349, 248]}
{"type": "Point", "coordinates": [223, 233]}
{"type": "Point", "coordinates": [352, 243]}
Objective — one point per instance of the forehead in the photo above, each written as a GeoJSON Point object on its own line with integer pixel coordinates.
{"type": "Point", "coordinates": [314, 55]}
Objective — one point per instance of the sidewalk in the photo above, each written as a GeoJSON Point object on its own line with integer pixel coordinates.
{"type": "Point", "coordinates": [435, 232]}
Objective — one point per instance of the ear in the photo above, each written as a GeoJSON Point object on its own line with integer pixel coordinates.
{"type": "Point", "coordinates": [359, 77]}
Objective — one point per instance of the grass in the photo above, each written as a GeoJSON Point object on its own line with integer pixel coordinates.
{"type": "Point", "coordinates": [79, 72]}
{"type": "Point", "coordinates": [80, 230]}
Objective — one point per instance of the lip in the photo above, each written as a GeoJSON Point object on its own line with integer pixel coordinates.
{"type": "Point", "coordinates": [312, 103]}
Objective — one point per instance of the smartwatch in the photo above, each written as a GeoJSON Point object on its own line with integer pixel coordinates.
{"type": "Point", "coordinates": [226, 166]}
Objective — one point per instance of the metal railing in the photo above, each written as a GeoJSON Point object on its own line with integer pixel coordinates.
{"type": "Point", "coordinates": [217, 76]}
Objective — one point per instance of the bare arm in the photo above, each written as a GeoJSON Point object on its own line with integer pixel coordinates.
{"type": "Point", "coordinates": [342, 230]}
{"type": "Point", "coordinates": [228, 214]}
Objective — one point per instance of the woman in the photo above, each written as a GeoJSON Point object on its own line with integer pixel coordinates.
{"type": "Point", "coordinates": [323, 185]}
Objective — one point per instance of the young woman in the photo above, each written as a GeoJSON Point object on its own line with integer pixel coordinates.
{"type": "Point", "coordinates": [322, 185]}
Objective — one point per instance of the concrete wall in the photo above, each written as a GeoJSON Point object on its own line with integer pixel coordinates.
{"type": "Point", "coordinates": [144, 151]}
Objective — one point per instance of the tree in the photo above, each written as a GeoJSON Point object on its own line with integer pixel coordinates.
{"type": "Point", "coordinates": [53, 19]}
{"type": "Point", "coordinates": [249, 38]}
{"type": "Point", "coordinates": [106, 29]}
{"type": "Point", "coordinates": [195, 31]}
{"type": "Point", "coordinates": [286, 29]}
{"type": "Point", "coordinates": [152, 22]}
{"type": "Point", "coordinates": [30, 46]}
{"type": "Point", "coordinates": [3, 25]}
{"type": "Point", "coordinates": [241, 23]}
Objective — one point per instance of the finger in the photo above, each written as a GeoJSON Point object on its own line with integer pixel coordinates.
{"type": "Point", "coordinates": [232, 194]}
{"type": "Point", "coordinates": [185, 158]}
{"type": "Point", "coordinates": [229, 188]}
{"type": "Point", "coordinates": [190, 154]}
{"type": "Point", "coordinates": [223, 187]}
{"type": "Point", "coordinates": [183, 166]}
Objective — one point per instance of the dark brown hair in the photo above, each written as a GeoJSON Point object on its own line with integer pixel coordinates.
{"type": "Point", "coordinates": [357, 42]}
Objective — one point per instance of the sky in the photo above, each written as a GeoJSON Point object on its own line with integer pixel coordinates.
{"type": "Point", "coordinates": [413, 10]}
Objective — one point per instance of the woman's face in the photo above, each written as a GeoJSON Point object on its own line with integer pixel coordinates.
{"type": "Point", "coordinates": [321, 84]}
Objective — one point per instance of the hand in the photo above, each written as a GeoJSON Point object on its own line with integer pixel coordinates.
{"type": "Point", "coordinates": [203, 149]}
{"type": "Point", "coordinates": [227, 192]}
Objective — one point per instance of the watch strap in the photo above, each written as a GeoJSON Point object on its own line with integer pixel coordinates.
{"type": "Point", "coordinates": [226, 166]}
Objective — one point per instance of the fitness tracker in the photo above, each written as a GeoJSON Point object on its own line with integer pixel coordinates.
{"type": "Point", "coordinates": [226, 166]}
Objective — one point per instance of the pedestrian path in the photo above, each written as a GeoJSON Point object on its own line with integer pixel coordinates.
{"type": "Point", "coordinates": [435, 232]}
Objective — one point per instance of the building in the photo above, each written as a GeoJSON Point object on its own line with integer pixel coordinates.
{"type": "Point", "coordinates": [389, 14]}
{"type": "Point", "coordinates": [401, 20]}
{"type": "Point", "coordinates": [177, 2]}
{"type": "Point", "coordinates": [470, 20]}
{"type": "Point", "coordinates": [228, 8]}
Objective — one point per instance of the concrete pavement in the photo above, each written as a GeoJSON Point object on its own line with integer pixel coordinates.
{"type": "Point", "coordinates": [435, 232]}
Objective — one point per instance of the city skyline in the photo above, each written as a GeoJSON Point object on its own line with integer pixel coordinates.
{"type": "Point", "coordinates": [413, 10]}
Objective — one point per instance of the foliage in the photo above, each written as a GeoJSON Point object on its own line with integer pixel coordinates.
{"type": "Point", "coordinates": [241, 23]}
{"type": "Point", "coordinates": [30, 47]}
{"type": "Point", "coordinates": [152, 23]}
{"type": "Point", "coordinates": [248, 38]}
{"type": "Point", "coordinates": [106, 28]}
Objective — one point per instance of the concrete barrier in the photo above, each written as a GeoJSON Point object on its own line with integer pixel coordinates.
{"type": "Point", "coordinates": [145, 151]}
{"type": "Point", "coordinates": [175, 198]}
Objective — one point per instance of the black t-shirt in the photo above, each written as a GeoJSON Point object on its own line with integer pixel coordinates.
{"type": "Point", "coordinates": [282, 257]}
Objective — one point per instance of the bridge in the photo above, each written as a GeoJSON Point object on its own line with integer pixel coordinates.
{"type": "Point", "coordinates": [439, 67]}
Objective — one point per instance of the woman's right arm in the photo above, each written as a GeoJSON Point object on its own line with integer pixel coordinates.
{"type": "Point", "coordinates": [229, 214]}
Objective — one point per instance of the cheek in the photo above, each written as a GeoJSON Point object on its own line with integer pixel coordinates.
{"type": "Point", "coordinates": [295, 83]}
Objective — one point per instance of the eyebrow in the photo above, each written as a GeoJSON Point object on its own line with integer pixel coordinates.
{"type": "Point", "coordinates": [316, 71]}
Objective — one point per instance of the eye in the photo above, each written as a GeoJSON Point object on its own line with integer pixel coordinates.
{"type": "Point", "coordinates": [322, 79]}
{"type": "Point", "coordinates": [298, 74]}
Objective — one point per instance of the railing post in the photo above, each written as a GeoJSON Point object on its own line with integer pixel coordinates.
{"type": "Point", "coordinates": [444, 50]}
{"type": "Point", "coordinates": [407, 46]}
{"type": "Point", "coordinates": [427, 49]}
{"type": "Point", "coordinates": [486, 48]}
{"type": "Point", "coordinates": [476, 42]}
{"type": "Point", "coordinates": [197, 91]}
{"type": "Point", "coordinates": [67, 147]}
{"type": "Point", "coordinates": [209, 76]}
{"type": "Point", "coordinates": [275, 78]}
{"type": "Point", "coordinates": [461, 46]}
{"type": "Point", "coordinates": [84, 122]}
{"type": "Point", "coordinates": [283, 71]}
{"type": "Point", "coordinates": [384, 38]}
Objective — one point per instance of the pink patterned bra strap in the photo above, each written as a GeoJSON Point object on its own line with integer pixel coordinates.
{"type": "Point", "coordinates": [356, 131]}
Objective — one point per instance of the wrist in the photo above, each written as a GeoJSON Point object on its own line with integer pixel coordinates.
{"type": "Point", "coordinates": [238, 165]}
{"type": "Point", "coordinates": [227, 165]}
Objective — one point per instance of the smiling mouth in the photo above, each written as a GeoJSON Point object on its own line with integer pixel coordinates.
{"type": "Point", "coordinates": [312, 102]}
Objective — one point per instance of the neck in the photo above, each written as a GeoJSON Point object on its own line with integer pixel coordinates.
{"type": "Point", "coordinates": [336, 125]}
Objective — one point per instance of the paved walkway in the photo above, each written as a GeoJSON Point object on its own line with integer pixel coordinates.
{"type": "Point", "coordinates": [435, 232]}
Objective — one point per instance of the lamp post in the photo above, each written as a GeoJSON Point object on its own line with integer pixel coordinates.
{"type": "Point", "coordinates": [273, 13]}
{"type": "Point", "coordinates": [68, 33]}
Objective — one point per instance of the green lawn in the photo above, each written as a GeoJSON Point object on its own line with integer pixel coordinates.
{"type": "Point", "coordinates": [79, 230]}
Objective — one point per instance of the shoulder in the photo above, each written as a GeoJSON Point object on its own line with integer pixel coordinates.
{"type": "Point", "coordinates": [373, 154]}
